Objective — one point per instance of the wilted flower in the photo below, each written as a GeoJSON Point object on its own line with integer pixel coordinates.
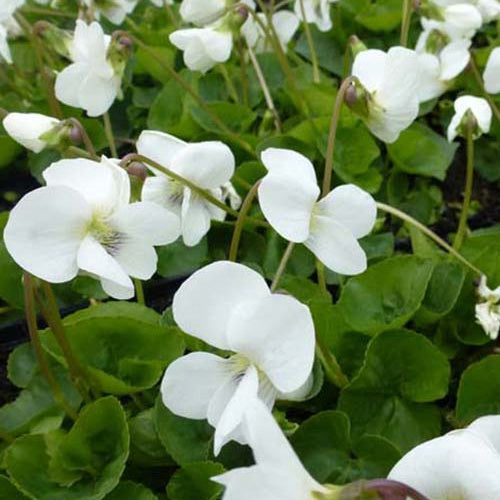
{"type": "Point", "coordinates": [491, 75]}
{"type": "Point", "coordinates": [115, 10]}
{"type": "Point", "coordinates": [278, 473]}
{"type": "Point", "coordinates": [230, 307]}
{"type": "Point", "coordinates": [470, 108]}
{"type": "Point", "coordinates": [488, 308]}
{"type": "Point", "coordinates": [330, 227]}
{"type": "Point", "coordinates": [83, 221]}
{"type": "Point", "coordinates": [390, 84]}
{"type": "Point", "coordinates": [316, 12]}
{"type": "Point", "coordinates": [8, 25]}
{"type": "Point", "coordinates": [91, 82]}
{"type": "Point", "coordinates": [209, 165]}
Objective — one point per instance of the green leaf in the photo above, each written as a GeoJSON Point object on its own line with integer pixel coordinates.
{"type": "Point", "coordinates": [387, 295]}
{"type": "Point", "coordinates": [380, 15]}
{"type": "Point", "coordinates": [93, 453]}
{"type": "Point", "coordinates": [22, 365]}
{"type": "Point", "coordinates": [177, 259]}
{"type": "Point", "coordinates": [184, 439]}
{"type": "Point", "coordinates": [147, 64]}
{"type": "Point", "coordinates": [9, 150]}
{"type": "Point", "coordinates": [324, 445]}
{"type": "Point", "coordinates": [403, 372]}
{"type": "Point", "coordinates": [127, 490]}
{"type": "Point", "coordinates": [236, 117]}
{"type": "Point", "coordinates": [192, 482]}
{"type": "Point", "coordinates": [479, 390]}
{"type": "Point", "coordinates": [8, 491]}
{"type": "Point", "coordinates": [419, 150]}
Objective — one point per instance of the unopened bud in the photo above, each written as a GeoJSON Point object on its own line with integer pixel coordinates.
{"type": "Point", "coordinates": [39, 27]}
{"type": "Point", "coordinates": [356, 45]}
{"type": "Point", "coordinates": [351, 95]}
{"type": "Point", "coordinates": [242, 11]}
{"type": "Point", "coordinates": [137, 169]}
{"type": "Point", "coordinates": [75, 135]}
{"type": "Point", "coordinates": [416, 4]}
{"type": "Point", "coordinates": [125, 41]}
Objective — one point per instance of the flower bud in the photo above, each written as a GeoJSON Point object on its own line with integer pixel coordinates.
{"type": "Point", "coordinates": [60, 40]}
{"type": "Point", "coordinates": [75, 135]}
{"type": "Point", "coordinates": [357, 98]}
{"type": "Point", "coordinates": [356, 45]}
{"type": "Point", "coordinates": [137, 169]}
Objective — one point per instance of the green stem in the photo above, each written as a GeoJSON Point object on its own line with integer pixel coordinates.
{"type": "Point", "coordinates": [244, 77]}
{"type": "Point", "coordinates": [229, 83]}
{"type": "Point", "coordinates": [240, 221]}
{"type": "Point", "coordinates": [76, 152]}
{"type": "Point", "coordinates": [171, 14]}
{"type": "Point", "coordinates": [200, 191]}
{"type": "Point", "coordinates": [108, 130]}
{"type": "Point", "coordinates": [479, 80]}
{"type": "Point", "coordinates": [85, 138]}
{"type": "Point", "coordinates": [139, 292]}
{"type": "Point", "coordinates": [320, 272]}
{"type": "Point", "coordinates": [330, 364]}
{"type": "Point", "coordinates": [29, 301]}
{"type": "Point", "coordinates": [431, 234]}
{"type": "Point", "coordinates": [282, 265]}
{"type": "Point", "coordinates": [310, 43]}
{"type": "Point", "coordinates": [469, 178]}
{"type": "Point", "coordinates": [47, 12]}
{"type": "Point", "coordinates": [405, 22]}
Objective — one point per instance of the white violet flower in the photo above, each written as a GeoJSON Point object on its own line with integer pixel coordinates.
{"type": "Point", "coordinates": [8, 26]}
{"type": "Point", "coordinates": [491, 75]}
{"type": "Point", "coordinates": [476, 107]}
{"type": "Point", "coordinates": [271, 336]}
{"type": "Point", "coordinates": [278, 473]}
{"type": "Point", "coordinates": [488, 308]}
{"type": "Point", "coordinates": [114, 10]}
{"type": "Point", "coordinates": [330, 227]}
{"type": "Point", "coordinates": [83, 221]}
{"type": "Point", "coordinates": [209, 165]}
{"type": "Point", "coordinates": [91, 82]}
{"type": "Point", "coordinates": [202, 12]}
{"type": "Point", "coordinates": [316, 12]}
{"type": "Point", "coordinates": [391, 81]}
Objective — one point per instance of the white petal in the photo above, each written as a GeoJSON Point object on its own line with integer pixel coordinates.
{"type": "Point", "coordinates": [68, 82]}
{"type": "Point", "coordinates": [463, 18]}
{"type": "Point", "coordinates": [201, 13]}
{"type": "Point", "coordinates": [454, 58]}
{"type": "Point", "coordinates": [458, 465]}
{"type": "Point", "coordinates": [288, 192]}
{"type": "Point", "coordinates": [208, 164]}
{"type": "Point", "coordinates": [286, 24]}
{"type": "Point", "coordinates": [336, 247]}
{"type": "Point", "coordinates": [232, 416]}
{"type": "Point", "coordinates": [137, 258]}
{"type": "Point", "coordinates": [117, 291]}
{"type": "Point", "coordinates": [163, 192]}
{"type": "Point", "coordinates": [26, 128]}
{"type": "Point", "coordinates": [277, 333]}
{"type": "Point", "coordinates": [214, 292]}
{"type": "Point", "coordinates": [96, 94]}
{"type": "Point", "coordinates": [489, 428]}
{"type": "Point", "coordinates": [148, 222]}
{"type": "Point", "coordinates": [368, 67]}
{"type": "Point", "coordinates": [4, 46]}
{"type": "Point", "coordinates": [491, 74]}
{"type": "Point", "coordinates": [159, 147]}
{"type": "Point", "coordinates": [195, 218]}
{"type": "Point", "coordinates": [352, 207]}
{"type": "Point", "coordinates": [191, 381]}
{"type": "Point", "coordinates": [44, 231]}
{"type": "Point", "coordinates": [431, 85]}
{"type": "Point", "coordinates": [479, 108]}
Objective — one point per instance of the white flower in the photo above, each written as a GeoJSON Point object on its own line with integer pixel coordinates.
{"type": "Point", "coordinates": [203, 47]}
{"type": "Point", "coordinates": [83, 220]}
{"type": "Point", "coordinates": [489, 9]}
{"type": "Point", "coordinates": [230, 307]}
{"type": "Point", "coordinates": [316, 12]}
{"type": "Point", "coordinates": [438, 70]}
{"type": "Point", "coordinates": [90, 82]}
{"type": "Point", "coordinates": [8, 26]}
{"type": "Point", "coordinates": [488, 308]}
{"type": "Point", "coordinates": [202, 12]}
{"type": "Point", "coordinates": [480, 110]}
{"type": "Point", "coordinates": [491, 75]}
{"type": "Point", "coordinates": [489, 428]}
{"type": "Point", "coordinates": [330, 227]}
{"type": "Point", "coordinates": [391, 80]}
{"type": "Point", "coordinates": [115, 10]}
{"type": "Point", "coordinates": [460, 465]}
{"type": "Point", "coordinates": [285, 23]}
{"type": "Point", "coordinates": [278, 473]}
{"type": "Point", "coordinates": [209, 165]}
{"type": "Point", "coordinates": [28, 129]}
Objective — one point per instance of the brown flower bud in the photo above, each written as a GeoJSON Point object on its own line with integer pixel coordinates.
{"type": "Point", "coordinates": [137, 169]}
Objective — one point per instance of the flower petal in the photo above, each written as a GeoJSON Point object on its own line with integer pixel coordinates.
{"type": "Point", "coordinates": [489, 428]}
{"type": "Point", "coordinates": [117, 291]}
{"type": "Point", "coordinates": [191, 381]}
{"type": "Point", "coordinates": [214, 292]}
{"type": "Point", "coordinates": [159, 147]}
{"type": "Point", "coordinates": [67, 86]}
{"type": "Point", "coordinates": [44, 232]}
{"type": "Point", "coordinates": [277, 333]}
{"type": "Point", "coordinates": [335, 246]}
{"type": "Point", "coordinates": [491, 74]}
{"type": "Point", "coordinates": [96, 94]}
{"type": "Point", "coordinates": [26, 128]}
{"type": "Point", "coordinates": [195, 218]}
{"type": "Point", "coordinates": [137, 258]}
{"type": "Point", "coordinates": [368, 67]}
{"type": "Point", "coordinates": [454, 58]}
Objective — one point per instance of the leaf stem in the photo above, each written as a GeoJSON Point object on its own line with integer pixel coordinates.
{"type": "Point", "coordinates": [229, 83]}
{"type": "Point", "coordinates": [405, 22]}
{"type": "Point", "coordinates": [139, 291]}
{"type": "Point", "coordinates": [282, 265]}
{"type": "Point", "coordinates": [330, 364]}
{"type": "Point", "coordinates": [108, 129]}
{"type": "Point", "coordinates": [310, 43]}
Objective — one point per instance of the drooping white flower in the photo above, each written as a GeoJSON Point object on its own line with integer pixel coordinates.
{"type": "Point", "coordinates": [440, 68]}
{"type": "Point", "coordinates": [316, 12]}
{"type": "Point", "coordinates": [278, 473]}
{"type": "Point", "coordinates": [488, 308]}
{"type": "Point", "coordinates": [489, 9]}
{"type": "Point", "coordinates": [204, 47]}
{"type": "Point", "coordinates": [91, 82]}
{"type": "Point", "coordinates": [285, 23]}
{"type": "Point", "coordinates": [460, 465]}
{"type": "Point", "coordinates": [29, 129]}
{"type": "Point", "coordinates": [330, 227]}
{"type": "Point", "coordinates": [83, 221]}
{"type": "Point", "coordinates": [391, 81]}
{"type": "Point", "coordinates": [202, 12]}
{"type": "Point", "coordinates": [8, 26]}
{"type": "Point", "coordinates": [491, 75]}
{"type": "Point", "coordinates": [209, 165]}
{"type": "Point", "coordinates": [114, 10]}
{"type": "Point", "coordinates": [230, 307]}
{"type": "Point", "coordinates": [480, 111]}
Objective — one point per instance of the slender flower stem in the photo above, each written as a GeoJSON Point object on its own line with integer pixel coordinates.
{"type": "Point", "coordinates": [76, 152]}
{"type": "Point", "coordinates": [469, 178]}
{"type": "Point", "coordinates": [240, 221]}
{"type": "Point", "coordinates": [479, 80]}
{"type": "Point", "coordinates": [243, 70]}
{"type": "Point", "coordinates": [229, 83]}
{"type": "Point", "coordinates": [265, 89]}
{"type": "Point", "coordinates": [330, 149]}
{"type": "Point", "coordinates": [171, 14]}
{"type": "Point", "coordinates": [108, 129]}
{"type": "Point", "coordinates": [321, 275]}
{"type": "Point", "coordinates": [405, 22]}
{"type": "Point", "coordinates": [431, 234]}
{"type": "Point", "coordinates": [85, 137]}
{"type": "Point", "coordinates": [51, 312]}
{"type": "Point", "coordinates": [29, 301]}
{"type": "Point", "coordinates": [282, 265]}
{"type": "Point", "coordinates": [139, 292]}
{"type": "Point", "coordinates": [47, 12]}
{"type": "Point", "coordinates": [330, 364]}
{"type": "Point", "coordinates": [198, 190]}
{"type": "Point", "coordinates": [310, 43]}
